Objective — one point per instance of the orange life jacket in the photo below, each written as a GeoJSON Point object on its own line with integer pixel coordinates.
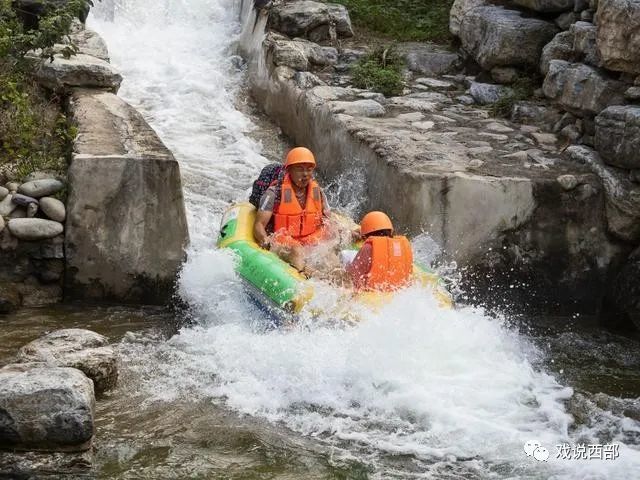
{"type": "Point", "coordinates": [288, 215]}
{"type": "Point", "coordinates": [391, 263]}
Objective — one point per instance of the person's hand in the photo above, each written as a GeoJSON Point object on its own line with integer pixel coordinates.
{"type": "Point", "coordinates": [355, 233]}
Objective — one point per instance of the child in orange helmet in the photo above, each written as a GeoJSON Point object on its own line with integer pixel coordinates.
{"type": "Point", "coordinates": [385, 261]}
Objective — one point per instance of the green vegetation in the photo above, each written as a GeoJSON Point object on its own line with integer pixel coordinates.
{"type": "Point", "coordinates": [380, 71]}
{"type": "Point", "coordinates": [403, 20]}
{"type": "Point", "coordinates": [521, 89]}
{"type": "Point", "coordinates": [34, 133]}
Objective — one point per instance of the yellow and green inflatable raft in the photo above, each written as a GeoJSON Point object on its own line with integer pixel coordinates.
{"type": "Point", "coordinates": [278, 284]}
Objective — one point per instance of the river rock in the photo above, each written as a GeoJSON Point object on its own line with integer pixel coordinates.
{"type": "Point", "coordinates": [567, 182]}
{"type": "Point", "coordinates": [617, 136]}
{"type": "Point", "coordinates": [10, 298]}
{"type": "Point", "coordinates": [486, 93]}
{"type": "Point", "coordinates": [53, 208]}
{"type": "Point", "coordinates": [546, 6]}
{"type": "Point", "coordinates": [3, 192]}
{"type": "Point", "coordinates": [7, 206]}
{"type": "Point", "coordinates": [77, 348]}
{"type": "Point", "coordinates": [33, 229]}
{"type": "Point", "coordinates": [497, 37]}
{"type": "Point", "coordinates": [618, 35]}
{"type": "Point", "coordinates": [12, 186]}
{"type": "Point", "coordinates": [78, 71]}
{"type": "Point", "coordinates": [23, 200]}
{"type": "Point", "coordinates": [305, 17]}
{"type": "Point", "coordinates": [45, 408]}
{"type": "Point", "coordinates": [1, 224]}
{"type": "Point", "coordinates": [41, 188]}
{"type": "Point", "coordinates": [581, 89]}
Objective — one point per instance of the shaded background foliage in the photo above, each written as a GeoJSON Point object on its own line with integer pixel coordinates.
{"type": "Point", "coordinates": [34, 131]}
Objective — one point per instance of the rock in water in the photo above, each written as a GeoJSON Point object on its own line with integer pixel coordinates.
{"type": "Point", "coordinates": [45, 408]}
{"type": "Point", "coordinates": [78, 348]}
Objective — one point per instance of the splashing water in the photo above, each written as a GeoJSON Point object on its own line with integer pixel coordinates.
{"type": "Point", "coordinates": [451, 389]}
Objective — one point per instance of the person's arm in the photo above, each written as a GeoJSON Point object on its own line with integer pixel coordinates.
{"type": "Point", "coordinates": [360, 266]}
{"type": "Point", "coordinates": [260, 228]}
{"type": "Point", "coordinates": [263, 216]}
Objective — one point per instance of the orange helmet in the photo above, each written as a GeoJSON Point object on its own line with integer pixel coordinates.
{"type": "Point", "coordinates": [374, 221]}
{"type": "Point", "coordinates": [299, 155]}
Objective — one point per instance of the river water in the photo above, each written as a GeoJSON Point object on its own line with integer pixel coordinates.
{"type": "Point", "coordinates": [411, 392]}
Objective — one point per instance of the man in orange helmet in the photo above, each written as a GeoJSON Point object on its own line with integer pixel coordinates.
{"type": "Point", "coordinates": [385, 261]}
{"type": "Point", "coordinates": [295, 211]}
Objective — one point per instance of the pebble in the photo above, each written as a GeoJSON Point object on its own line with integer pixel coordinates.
{"type": "Point", "coordinates": [3, 192]}
{"type": "Point", "coordinates": [12, 186]}
{"type": "Point", "coordinates": [1, 224]}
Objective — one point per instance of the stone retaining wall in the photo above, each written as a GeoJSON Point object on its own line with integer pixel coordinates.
{"type": "Point", "coordinates": [125, 226]}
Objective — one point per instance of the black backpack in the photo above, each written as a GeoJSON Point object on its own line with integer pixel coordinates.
{"type": "Point", "coordinates": [273, 172]}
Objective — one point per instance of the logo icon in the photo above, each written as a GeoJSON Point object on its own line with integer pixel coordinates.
{"type": "Point", "coordinates": [541, 454]}
{"type": "Point", "coordinates": [534, 448]}
{"type": "Point", "coordinates": [531, 446]}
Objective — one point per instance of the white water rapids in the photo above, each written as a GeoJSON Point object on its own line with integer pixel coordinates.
{"type": "Point", "coordinates": [457, 391]}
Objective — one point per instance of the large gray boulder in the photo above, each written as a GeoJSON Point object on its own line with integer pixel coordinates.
{"type": "Point", "coordinates": [85, 350]}
{"type": "Point", "coordinates": [78, 71]}
{"type": "Point", "coordinates": [459, 9]}
{"type": "Point", "coordinates": [581, 89]}
{"type": "Point", "coordinates": [126, 227]}
{"type": "Point", "coordinates": [618, 35]}
{"type": "Point", "coordinates": [313, 20]}
{"type": "Point", "coordinates": [546, 6]}
{"type": "Point", "coordinates": [622, 197]}
{"type": "Point", "coordinates": [45, 408]}
{"type": "Point", "coordinates": [617, 136]}
{"type": "Point", "coordinates": [497, 37]}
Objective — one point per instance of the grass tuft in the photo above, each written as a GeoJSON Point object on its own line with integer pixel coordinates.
{"type": "Point", "coordinates": [380, 71]}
